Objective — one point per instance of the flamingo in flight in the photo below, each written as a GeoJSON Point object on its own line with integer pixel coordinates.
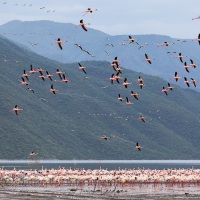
{"type": "Point", "coordinates": [49, 75]}
{"type": "Point", "coordinates": [186, 81]}
{"type": "Point", "coordinates": [120, 97]}
{"type": "Point", "coordinates": [142, 118]}
{"type": "Point", "coordinates": [16, 109]}
{"type": "Point", "coordinates": [59, 42]}
{"type": "Point", "coordinates": [59, 73]}
{"type": "Point", "coordinates": [30, 89]}
{"type": "Point", "coordinates": [134, 94]}
{"type": "Point", "coordinates": [32, 154]}
{"type": "Point", "coordinates": [53, 89]}
{"type": "Point", "coordinates": [89, 10]}
{"type": "Point", "coordinates": [186, 67]}
{"type": "Point", "coordinates": [131, 39]}
{"type": "Point", "coordinates": [138, 146]}
{"type": "Point", "coordinates": [104, 137]}
{"type": "Point", "coordinates": [126, 83]}
{"type": "Point", "coordinates": [25, 75]}
{"type": "Point", "coordinates": [127, 101]}
{"type": "Point", "coordinates": [170, 87]}
{"type": "Point", "coordinates": [193, 81]}
{"type": "Point", "coordinates": [180, 57]}
{"type": "Point", "coordinates": [165, 90]}
{"type": "Point", "coordinates": [196, 18]}
{"type": "Point", "coordinates": [147, 58]}
{"type": "Point", "coordinates": [192, 64]}
{"type": "Point", "coordinates": [32, 71]}
{"type": "Point", "coordinates": [82, 68]}
{"type": "Point", "coordinates": [117, 77]}
{"type": "Point", "coordinates": [176, 77]}
{"type": "Point", "coordinates": [112, 78]}
{"type": "Point", "coordinates": [23, 82]}
{"type": "Point", "coordinates": [82, 25]}
{"type": "Point", "coordinates": [65, 80]}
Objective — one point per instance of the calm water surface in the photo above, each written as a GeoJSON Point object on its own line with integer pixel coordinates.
{"type": "Point", "coordinates": [97, 164]}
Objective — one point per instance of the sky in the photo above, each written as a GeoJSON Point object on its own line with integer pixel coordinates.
{"type": "Point", "coordinates": [115, 17]}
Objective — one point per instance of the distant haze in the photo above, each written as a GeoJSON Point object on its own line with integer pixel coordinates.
{"type": "Point", "coordinates": [115, 17]}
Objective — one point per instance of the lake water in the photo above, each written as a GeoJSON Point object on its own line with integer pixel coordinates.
{"type": "Point", "coordinates": [97, 164]}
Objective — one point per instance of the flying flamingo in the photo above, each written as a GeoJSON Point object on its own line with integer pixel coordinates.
{"type": "Point", "coordinates": [181, 57]}
{"type": "Point", "coordinates": [130, 38]}
{"type": "Point", "coordinates": [198, 39]}
{"type": "Point", "coordinates": [49, 75]}
{"type": "Point", "coordinates": [30, 89]}
{"type": "Point", "coordinates": [25, 75]}
{"type": "Point", "coordinates": [164, 90]}
{"type": "Point", "coordinates": [53, 89]}
{"type": "Point", "coordinates": [126, 83]}
{"type": "Point", "coordinates": [138, 146]}
{"type": "Point", "coordinates": [59, 73]}
{"type": "Point", "coordinates": [193, 81]}
{"type": "Point", "coordinates": [117, 77]}
{"type": "Point", "coordinates": [127, 101]}
{"type": "Point", "coordinates": [120, 97]}
{"type": "Point", "coordinates": [147, 58]}
{"type": "Point", "coordinates": [142, 118]}
{"type": "Point", "coordinates": [186, 81]}
{"type": "Point", "coordinates": [104, 137]}
{"type": "Point", "coordinates": [186, 67]}
{"type": "Point", "coordinates": [134, 94]}
{"type": "Point", "coordinates": [89, 10]}
{"type": "Point", "coordinates": [23, 82]}
{"type": "Point", "coordinates": [192, 64]}
{"type": "Point", "coordinates": [32, 71]}
{"type": "Point", "coordinates": [59, 42]}
{"type": "Point", "coordinates": [176, 77]}
{"type": "Point", "coordinates": [16, 109]}
{"type": "Point", "coordinates": [112, 78]}
{"type": "Point", "coordinates": [196, 18]}
{"type": "Point", "coordinates": [32, 154]}
{"type": "Point", "coordinates": [82, 25]}
{"type": "Point", "coordinates": [82, 68]}
{"type": "Point", "coordinates": [170, 87]}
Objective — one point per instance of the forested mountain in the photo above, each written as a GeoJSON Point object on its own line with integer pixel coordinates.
{"type": "Point", "coordinates": [69, 124]}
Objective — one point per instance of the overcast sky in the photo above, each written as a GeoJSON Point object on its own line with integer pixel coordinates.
{"type": "Point", "coordinates": [115, 17]}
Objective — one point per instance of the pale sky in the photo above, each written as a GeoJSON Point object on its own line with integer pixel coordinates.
{"type": "Point", "coordinates": [115, 17]}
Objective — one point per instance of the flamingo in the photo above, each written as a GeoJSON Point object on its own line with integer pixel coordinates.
{"type": "Point", "coordinates": [192, 64]}
{"type": "Point", "coordinates": [186, 81]}
{"type": "Point", "coordinates": [42, 76]}
{"type": "Point", "coordinates": [53, 89]}
{"type": "Point", "coordinates": [134, 94]}
{"type": "Point", "coordinates": [127, 101]}
{"type": "Point", "coordinates": [32, 154]}
{"type": "Point", "coordinates": [141, 84]}
{"type": "Point", "coordinates": [49, 75]}
{"type": "Point", "coordinates": [131, 39]}
{"type": "Point", "coordinates": [120, 97]}
{"type": "Point", "coordinates": [59, 42]}
{"type": "Point", "coordinates": [193, 81]}
{"type": "Point", "coordinates": [176, 77]}
{"type": "Point", "coordinates": [82, 68]}
{"type": "Point", "coordinates": [59, 73]}
{"type": "Point", "coordinates": [30, 89]}
{"type": "Point", "coordinates": [89, 10]}
{"type": "Point", "coordinates": [142, 118]}
{"type": "Point", "coordinates": [196, 18]}
{"type": "Point", "coordinates": [104, 137]}
{"type": "Point", "coordinates": [186, 67]}
{"type": "Point", "coordinates": [25, 75]}
{"type": "Point", "coordinates": [138, 146]}
{"type": "Point", "coordinates": [82, 25]}
{"type": "Point", "coordinates": [32, 71]}
{"type": "Point", "coordinates": [180, 57]}
{"type": "Point", "coordinates": [112, 78]}
{"type": "Point", "coordinates": [170, 87]}
{"type": "Point", "coordinates": [23, 82]}
{"type": "Point", "coordinates": [117, 77]}
{"type": "Point", "coordinates": [198, 39]}
{"type": "Point", "coordinates": [164, 90]}
{"type": "Point", "coordinates": [126, 83]}
{"type": "Point", "coordinates": [16, 109]}
{"type": "Point", "coordinates": [40, 70]}
{"type": "Point", "coordinates": [147, 58]}
{"type": "Point", "coordinates": [64, 79]}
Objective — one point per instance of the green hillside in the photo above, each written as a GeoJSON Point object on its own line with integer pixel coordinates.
{"type": "Point", "coordinates": [68, 124]}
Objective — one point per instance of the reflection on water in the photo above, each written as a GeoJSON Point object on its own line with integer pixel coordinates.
{"type": "Point", "coordinates": [97, 164]}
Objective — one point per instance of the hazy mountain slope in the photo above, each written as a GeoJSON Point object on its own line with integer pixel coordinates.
{"type": "Point", "coordinates": [68, 125]}
{"type": "Point", "coordinates": [45, 33]}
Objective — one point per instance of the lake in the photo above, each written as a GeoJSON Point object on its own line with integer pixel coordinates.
{"type": "Point", "coordinates": [97, 164]}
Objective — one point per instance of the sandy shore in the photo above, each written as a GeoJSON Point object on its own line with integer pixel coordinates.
{"type": "Point", "coordinates": [136, 192]}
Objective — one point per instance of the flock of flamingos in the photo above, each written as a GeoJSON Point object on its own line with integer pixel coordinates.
{"type": "Point", "coordinates": [61, 176]}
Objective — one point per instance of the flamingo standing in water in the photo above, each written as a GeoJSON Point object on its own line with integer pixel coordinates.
{"type": "Point", "coordinates": [16, 109]}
